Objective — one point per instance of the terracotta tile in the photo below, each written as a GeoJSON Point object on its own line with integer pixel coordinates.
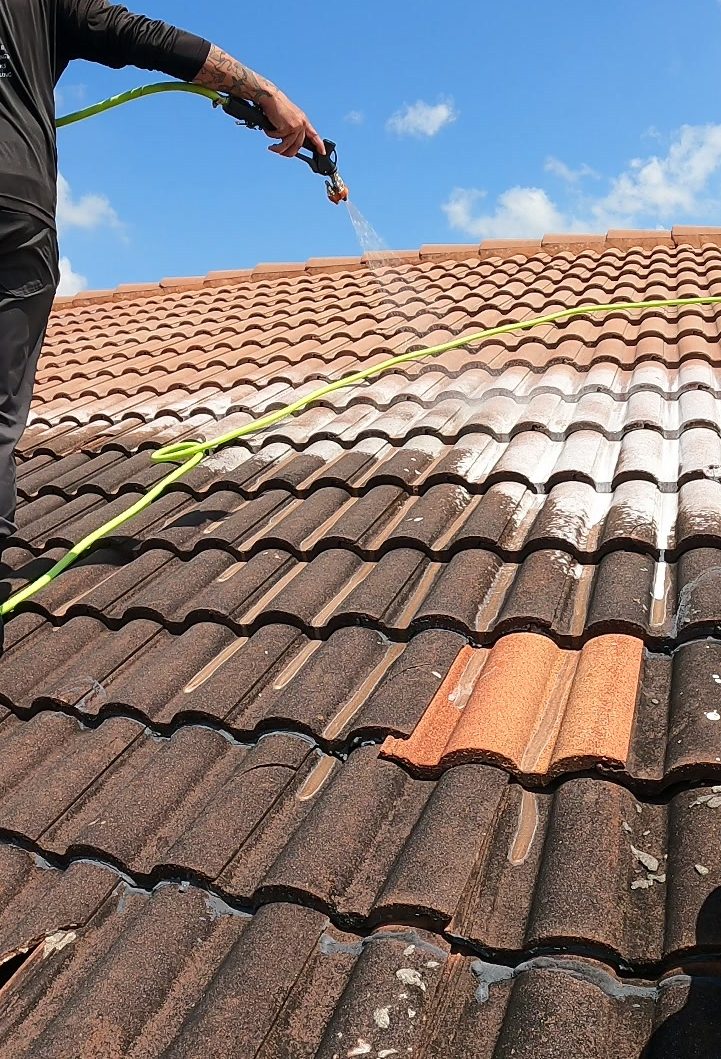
{"type": "Point", "coordinates": [271, 270]}
{"type": "Point", "coordinates": [392, 257]}
{"type": "Point", "coordinates": [495, 865]}
{"type": "Point", "coordinates": [289, 974]}
{"type": "Point", "coordinates": [281, 676]}
{"type": "Point", "coordinates": [135, 288]}
{"type": "Point", "coordinates": [624, 239]}
{"type": "Point", "coordinates": [687, 235]}
{"type": "Point", "coordinates": [89, 298]}
{"type": "Point", "coordinates": [448, 252]}
{"type": "Point", "coordinates": [181, 283]}
{"type": "Point", "coordinates": [227, 278]}
{"type": "Point", "coordinates": [554, 244]}
{"type": "Point", "coordinates": [330, 265]}
{"type": "Point", "coordinates": [504, 248]}
{"type": "Point", "coordinates": [530, 707]}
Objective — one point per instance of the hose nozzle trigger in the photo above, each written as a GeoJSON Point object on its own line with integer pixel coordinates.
{"type": "Point", "coordinates": [252, 117]}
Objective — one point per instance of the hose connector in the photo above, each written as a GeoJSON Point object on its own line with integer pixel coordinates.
{"type": "Point", "coordinates": [336, 188]}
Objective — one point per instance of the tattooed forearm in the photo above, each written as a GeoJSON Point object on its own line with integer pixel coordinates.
{"type": "Point", "coordinates": [225, 74]}
{"type": "Point", "coordinates": [288, 123]}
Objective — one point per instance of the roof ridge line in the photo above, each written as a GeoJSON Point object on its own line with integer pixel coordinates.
{"type": "Point", "coordinates": [502, 249]}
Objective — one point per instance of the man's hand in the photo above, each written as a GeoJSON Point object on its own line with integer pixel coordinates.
{"type": "Point", "coordinates": [223, 73]}
{"type": "Point", "coordinates": [291, 126]}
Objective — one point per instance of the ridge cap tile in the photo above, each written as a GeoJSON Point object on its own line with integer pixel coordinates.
{"type": "Point", "coordinates": [553, 244]}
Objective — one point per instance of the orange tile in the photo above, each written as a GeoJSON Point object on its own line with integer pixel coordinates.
{"type": "Point", "coordinates": [330, 265]}
{"type": "Point", "coordinates": [625, 239]}
{"type": "Point", "coordinates": [396, 257]}
{"type": "Point", "coordinates": [227, 278]}
{"type": "Point", "coordinates": [692, 235]}
{"type": "Point", "coordinates": [126, 289]}
{"type": "Point", "coordinates": [448, 251]}
{"type": "Point", "coordinates": [531, 707]}
{"type": "Point", "coordinates": [491, 248]}
{"type": "Point", "coordinates": [270, 269]}
{"type": "Point", "coordinates": [328, 308]}
{"type": "Point", "coordinates": [555, 244]}
{"type": "Point", "coordinates": [179, 283]}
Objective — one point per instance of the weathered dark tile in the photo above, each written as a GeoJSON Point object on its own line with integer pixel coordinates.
{"type": "Point", "coordinates": [287, 981]}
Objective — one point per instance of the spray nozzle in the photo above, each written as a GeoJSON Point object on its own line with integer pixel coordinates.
{"type": "Point", "coordinates": [327, 165]}
{"type": "Point", "coordinates": [252, 117]}
{"type": "Point", "coordinates": [336, 189]}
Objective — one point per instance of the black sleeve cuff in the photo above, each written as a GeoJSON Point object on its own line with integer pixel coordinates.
{"type": "Point", "coordinates": [189, 56]}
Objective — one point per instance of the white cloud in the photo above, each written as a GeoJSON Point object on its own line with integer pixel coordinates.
{"type": "Point", "coordinates": [70, 282]}
{"type": "Point", "coordinates": [87, 212]}
{"type": "Point", "coordinates": [355, 117]}
{"type": "Point", "coordinates": [519, 212]}
{"type": "Point", "coordinates": [682, 186]}
{"type": "Point", "coordinates": [669, 187]}
{"type": "Point", "coordinates": [566, 173]}
{"type": "Point", "coordinates": [422, 119]}
{"type": "Point", "coordinates": [652, 133]}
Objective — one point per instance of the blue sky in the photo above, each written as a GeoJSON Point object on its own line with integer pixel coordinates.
{"type": "Point", "coordinates": [454, 121]}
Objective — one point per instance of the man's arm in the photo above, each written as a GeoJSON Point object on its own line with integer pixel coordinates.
{"type": "Point", "coordinates": [225, 74]}
{"type": "Point", "coordinates": [109, 34]}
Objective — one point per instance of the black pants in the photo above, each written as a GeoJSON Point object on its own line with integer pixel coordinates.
{"type": "Point", "coordinates": [29, 276]}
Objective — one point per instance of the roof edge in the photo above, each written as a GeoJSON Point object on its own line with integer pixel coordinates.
{"type": "Point", "coordinates": [490, 249]}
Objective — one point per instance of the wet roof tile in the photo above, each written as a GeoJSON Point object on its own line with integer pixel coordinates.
{"type": "Point", "coordinates": [475, 460]}
{"type": "Point", "coordinates": [298, 512]}
{"type": "Point", "coordinates": [190, 577]}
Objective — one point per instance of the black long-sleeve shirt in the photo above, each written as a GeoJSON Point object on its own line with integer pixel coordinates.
{"type": "Point", "coordinates": [38, 38]}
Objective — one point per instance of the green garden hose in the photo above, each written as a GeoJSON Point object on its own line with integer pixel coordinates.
{"type": "Point", "coordinates": [138, 93]}
{"type": "Point", "coordinates": [189, 454]}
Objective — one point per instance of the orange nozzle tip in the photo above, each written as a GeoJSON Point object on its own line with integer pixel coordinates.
{"type": "Point", "coordinates": [338, 196]}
